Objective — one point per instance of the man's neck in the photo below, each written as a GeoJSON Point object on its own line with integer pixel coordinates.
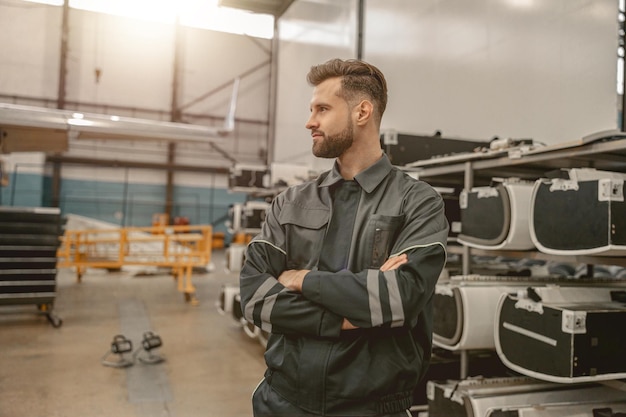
{"type": "Point", "coordinates": [354, 161]}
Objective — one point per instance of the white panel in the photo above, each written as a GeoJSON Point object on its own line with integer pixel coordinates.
{"type": "Point", "coordinates": [134, 58]}
{"type": "Point", "coordinates": [202, 180]}
{"type": "Point", "coordinates": [29, 52]}
{"type": "Point", "coordinates": [310, 32]}
{"type": "Point", "coordinates": [23, 163]}
{"type": "Point", "coordinates": [212, 59]}
{"type": "Point", "coordinates": [200, 155]}
{"type": "Point", "coordinates": [117, 61]}
{"type": "Point", "coordinates": [119, 150]}
{"type": "Point", "coordinates": [541, 69]}
{"type": "Point", "coordinates": [106, 174]}
{"type": "Point", "coordinates": [141, 176]}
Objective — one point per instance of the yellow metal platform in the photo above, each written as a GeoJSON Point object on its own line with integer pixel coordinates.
{"type": "Point", "coordinates": [180, 248]}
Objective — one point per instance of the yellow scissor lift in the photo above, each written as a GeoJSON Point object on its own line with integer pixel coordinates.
{"type": "Point", "coordinates": [180, 248]}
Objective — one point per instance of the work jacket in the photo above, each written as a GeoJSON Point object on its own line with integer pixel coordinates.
{"type": "Point", "coordinates": [313, 363]}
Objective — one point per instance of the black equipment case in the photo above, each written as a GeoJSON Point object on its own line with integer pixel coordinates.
{"type": "Point", "coordinates": [247, 217]}
{"type": "Point", "coordinates": [585, 409]}
{"type": "Point", "coordinates": [581, 214]}
{"type": "Point", "coordinates": [564, 334]}
{"type": "Point", "coordinates": [465, 307]}
{"type": "Point", "coordinates": [495, 397]}
{"type": "Point", "coordinates": [248, 178]}
{"type": "Point", "coordinates": [496, 217]}
{"type": "Point", "coordinates": [403, 148]}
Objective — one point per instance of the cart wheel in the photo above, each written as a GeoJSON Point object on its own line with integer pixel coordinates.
{"type": "Point", "coordinates": [54, 320]}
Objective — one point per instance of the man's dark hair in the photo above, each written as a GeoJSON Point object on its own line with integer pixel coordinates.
{"type": "Point", "coordinates": [359, 80]}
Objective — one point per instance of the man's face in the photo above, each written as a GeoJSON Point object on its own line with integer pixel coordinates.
{"type": "Point", "coordinates": [330, 123]}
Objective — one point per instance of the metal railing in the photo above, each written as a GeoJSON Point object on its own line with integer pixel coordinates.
{"type": "Point", "coordinates": [180, 248]}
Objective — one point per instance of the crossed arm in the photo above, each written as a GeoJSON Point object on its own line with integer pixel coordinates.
{"type": "Point", "coordinates": [293, 279]}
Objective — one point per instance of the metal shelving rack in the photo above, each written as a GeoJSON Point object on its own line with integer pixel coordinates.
{"type": "Point", "coordinates": [604, 150]}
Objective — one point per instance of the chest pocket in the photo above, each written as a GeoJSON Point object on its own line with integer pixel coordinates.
{"type": "Point", "coordinates": [378, 239]}
{"type": "Point", "coordinates": [304, 234]}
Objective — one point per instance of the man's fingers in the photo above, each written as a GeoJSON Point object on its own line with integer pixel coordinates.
{"type": "Point", "coordinates": [394, 262]}
{"type": "Point", "coordinates": [293, 279]}
{"type": "Point", "coordinates": [346, 325]}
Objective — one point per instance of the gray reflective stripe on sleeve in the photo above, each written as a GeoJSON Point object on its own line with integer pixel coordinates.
{"type": "Point", "coordinates": [266, 311]}
{"type": "Point", "coordinates": [418, 246]}
{"type": "Point", "coordinates": [259, 294]}
{"type": "Point", "coordinates": [268, 243]}
{"type": "Point", "coordinates": [373, 290]}
{"type": "Point", "coordinates": [395, 301]}
{"type": "Point", "coordinates": [445, 252]}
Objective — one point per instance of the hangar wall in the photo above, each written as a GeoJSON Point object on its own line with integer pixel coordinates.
{"type": "Point", "coordinates": [510, 68]}
{"type": "Point", "coordinates": [310, 32]}
{"type": "Point", "coordinates": [545, 70]}
{"type": "Point", "coordinates": [472, 69]}
{"type": "Point", "coordinates": [125, 66]}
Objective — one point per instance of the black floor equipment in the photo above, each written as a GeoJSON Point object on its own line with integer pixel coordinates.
{"type": "Point", "coordinates": [29, 240]}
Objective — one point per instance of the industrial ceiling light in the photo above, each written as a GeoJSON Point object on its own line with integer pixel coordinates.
{"type": "Point", "coordinates": [17, 119]}
{"type": "Point", "coordinates": [119, 346]}
{"type": "Point", "coordinates": [150, 341]}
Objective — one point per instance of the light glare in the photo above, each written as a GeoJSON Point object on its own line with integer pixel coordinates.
{"type": "Point", "coordinates": [79, 122]}
{"type": "Point", "coordinates": [203, 14]}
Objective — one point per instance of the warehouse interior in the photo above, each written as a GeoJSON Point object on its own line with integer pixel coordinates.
{"type": "Point", "coordinates": [141, 143]}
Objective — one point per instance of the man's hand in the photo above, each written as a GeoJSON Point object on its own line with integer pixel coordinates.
{"type": "Point", "coordinates": [346, 325]}
{"type": "Point", "coordinates": [293, 278]}
{"type": "Point", "coordinates": [394, 262]}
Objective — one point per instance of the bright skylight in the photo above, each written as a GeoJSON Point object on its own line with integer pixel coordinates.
{"type": "Point", "coordinates": [205, 14]}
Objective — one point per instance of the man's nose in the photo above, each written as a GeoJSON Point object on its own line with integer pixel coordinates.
{"type": "Point", "coordinates": [311, 123]}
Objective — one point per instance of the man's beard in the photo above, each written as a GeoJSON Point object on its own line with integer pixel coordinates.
{"type": "Point", "coordinates": [334, 146]}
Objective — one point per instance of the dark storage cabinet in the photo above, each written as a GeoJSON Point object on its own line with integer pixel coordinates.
{"type": "Point", "coordinates": [29, 239]}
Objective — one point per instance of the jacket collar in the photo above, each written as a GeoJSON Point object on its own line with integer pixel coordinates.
{"type": "Point", "coordinates": [368, 179]}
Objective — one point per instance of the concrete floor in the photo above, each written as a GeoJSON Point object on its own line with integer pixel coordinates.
{"type": "Point", "coordinates": [211, 366]}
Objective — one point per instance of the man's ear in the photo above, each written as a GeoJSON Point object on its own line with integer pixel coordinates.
{"type": "Point", "coordinates": [364, 112]}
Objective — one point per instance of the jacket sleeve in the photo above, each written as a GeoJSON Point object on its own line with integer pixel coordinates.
{"type": "Point", "coordinates": [266, 302]}
{"type": "Point", "coordinates": [372, 298]}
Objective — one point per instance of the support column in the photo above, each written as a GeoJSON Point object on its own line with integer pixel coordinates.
{"type": "Point", "coordinates": [360, 28]}
{"type": "Point", "coordinates": [175, 116]}
{"type": "Point", "coordinates": [56, 184]}
{"type": "Point", "coordinates": [169, 185]}
{"type": "Point", "coordinates": [65, 30]}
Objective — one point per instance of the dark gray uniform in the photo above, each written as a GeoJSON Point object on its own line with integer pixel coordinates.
{"type": "Point", "coordinates": [343, 232]}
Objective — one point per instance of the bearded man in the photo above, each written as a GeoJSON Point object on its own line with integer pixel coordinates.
{"type": "Point", "coordinates": [343, 272]}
